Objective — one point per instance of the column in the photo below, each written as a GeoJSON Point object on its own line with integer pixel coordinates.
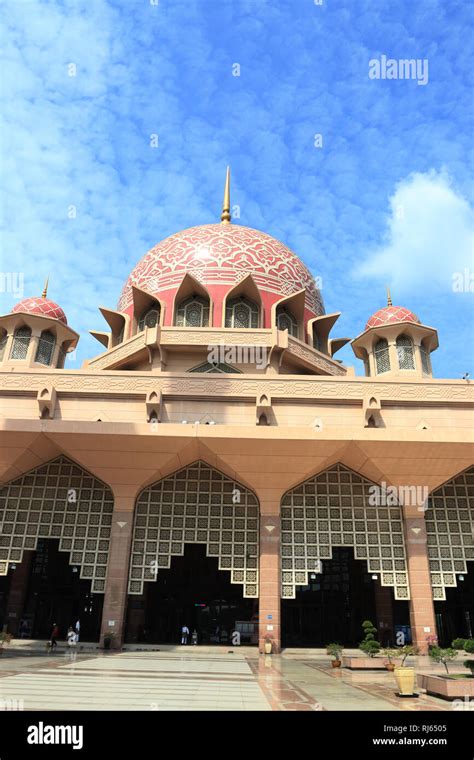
{"type": "Point", "coordinates": [269, 597]}
{"type": "Point", "coordinates": [422, 617]}
{"type": "Point", "coordinates": [116, 585]}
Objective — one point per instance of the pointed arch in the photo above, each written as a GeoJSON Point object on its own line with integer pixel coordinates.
{"type": "Point", "coordinates": [192, 304]}
{"type": "Point", "coordinates": [63, 501]}
{"type": "Point", "coordinates": [449, 519]}
{"type": "Point", "coordinates": [196, 504]}
{"type": "Point", "coordinates": [248, 293]}
{"type": "Point", "coordinates": [338, 507]}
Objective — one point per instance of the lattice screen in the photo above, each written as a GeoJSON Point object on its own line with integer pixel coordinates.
{"type": "Point", "coordinates": [58, 500]}
{"type": "Point", "coordinates": [196, 505]}
{"type": "Point", "coordinates": [450, 531]}
{"type": "Point", "coordinates": [333, 509]}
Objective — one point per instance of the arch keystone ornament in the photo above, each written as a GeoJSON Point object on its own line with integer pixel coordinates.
{"type": "Point", "coordinates": [196, 505]}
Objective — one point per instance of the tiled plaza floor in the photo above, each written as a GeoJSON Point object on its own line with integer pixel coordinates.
{"type": "Point", "coordinates": [190, 679]}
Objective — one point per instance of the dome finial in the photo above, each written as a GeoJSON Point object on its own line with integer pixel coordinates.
{"type": "Point", "coordinates": [225, 216]}
{"type": "Point", "coordinates": [45, 289]}
{"type": "Point", "coordinates": [389, 297]}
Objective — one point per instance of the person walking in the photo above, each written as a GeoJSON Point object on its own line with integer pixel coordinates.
{"type": "Point", "coordinates": [184, 634]}
{"type": "Point", "coordinates": [54, 636]}
{"type": "Point", "coordinates": [195, 637]}
{"type": "Point", "coordinates": [77, 629]}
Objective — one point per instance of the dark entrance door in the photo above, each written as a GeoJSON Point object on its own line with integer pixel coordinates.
{"type": "Point", "coordinates": [57, 594]}
{"type": "Point", "coordinates": [194, 592]}
{"type": "Point", "coordinates": [332, 607]}
{"type": "Point", "coordinates": [455, 616]}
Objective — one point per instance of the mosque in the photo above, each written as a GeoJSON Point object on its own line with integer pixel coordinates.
{"type": "Point", "coordinates": [216, 465]}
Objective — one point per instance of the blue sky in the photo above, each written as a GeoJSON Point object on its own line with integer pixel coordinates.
{"type": "Point", "coordinates": [387, 199]}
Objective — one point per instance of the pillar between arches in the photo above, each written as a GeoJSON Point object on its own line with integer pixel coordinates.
{"type": "Point", "coordinates": [422, 616]}
{"type": "Point", "coordinates": [269, 573]}
{"type": "Point", "coordinates": [116, 584]}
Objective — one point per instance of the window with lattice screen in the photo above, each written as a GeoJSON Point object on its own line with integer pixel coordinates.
{"type": "Point", "coordinates": [21, 341]}
{"type": "Point", "coordinates": [3, 344]}
{"type": "Point", "coordinates": [45, 348]}
{"type": "Point", "coordinates": [405, 352]}
{"type": "Point", "coordinates": [425, 360]}
{"type": "Point", "coordinates": [150, 317]}
{"type": "Point", "coordinates": [382, 357]}
{"type": "Point", "coordinates": [241, 313]}
{"type": "Point", "coordinates": [193, 312]}
{"type": "Point", "coordinates": [286, 321]}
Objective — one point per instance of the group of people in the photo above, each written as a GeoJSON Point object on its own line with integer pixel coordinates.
{"type": "Point", "coordinates": [185, 634]}
{"type": "Point", "coordinates": [73, 634]}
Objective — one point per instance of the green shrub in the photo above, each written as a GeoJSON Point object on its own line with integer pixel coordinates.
{"type": "Point", "coordinates": [469, 646]}
{"type": "Point", "coordinates": [370, 646]}
{"type": "Point", "coordinates": [458, 643]}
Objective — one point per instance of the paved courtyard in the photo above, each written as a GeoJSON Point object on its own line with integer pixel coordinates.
{"type": "Point", "coordinates": [194, 679]}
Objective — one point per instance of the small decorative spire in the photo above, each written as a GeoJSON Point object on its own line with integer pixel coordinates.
{"type": "Point", "coordinates": [225, 216]}
{"type": "Point", "coordinates": [45, 290]}
{"type": "Point", "coordinates": [389, 297]}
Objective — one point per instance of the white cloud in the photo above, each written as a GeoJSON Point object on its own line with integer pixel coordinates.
{"type": "Point", "coordinates": [430, 235]}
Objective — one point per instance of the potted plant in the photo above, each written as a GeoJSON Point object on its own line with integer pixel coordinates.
{"type": "Point", "coordinates": [406, 675]}
{"type": "Point", "coordinates": [334, 650]}
{"type": "Point", "coordinates": [391, 653]}
{"type": "Point", "coordinates": [268, 645]}
{"type": "Point", "coordinates": [5, 638]}
{"type": "Point", "coordinates": [442, 656]}
{"type": "Point", "coordinates": [370, 646]}
{"type": "Point", "coordinates": [109, 638]}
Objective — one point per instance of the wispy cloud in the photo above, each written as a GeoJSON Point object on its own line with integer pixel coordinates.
{"type": "Point", "coordinates": [429, 236]}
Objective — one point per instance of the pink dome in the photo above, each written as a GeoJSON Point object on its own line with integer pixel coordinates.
{"type": "Point", "coordinates": [41, 306]}
{"type": "Point", "coordinates": [222, 255]}
{"type": "Point", "coordinates": [390, 315]}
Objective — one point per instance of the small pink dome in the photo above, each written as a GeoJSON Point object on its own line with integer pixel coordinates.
{"type": "Point", "coordinates": [391, 314]}
{"type": "Point", "coordinates": [41, 306]}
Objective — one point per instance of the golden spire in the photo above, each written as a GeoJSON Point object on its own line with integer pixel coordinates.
{"type": "Point", "coordinates": [225, 216]}
{"type": "Point", "coordinates": [45, 290]}
{"type": "Point", "coordinates": [389, 297]}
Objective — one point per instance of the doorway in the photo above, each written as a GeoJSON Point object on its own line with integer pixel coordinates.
{"type": "Point", "coordinates": [195, 593]}
{"type": "Point", "coordinates": [57, 594]}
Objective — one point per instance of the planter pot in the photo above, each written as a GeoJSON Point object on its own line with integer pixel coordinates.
{"type": "Point", "coordinates": [336, 663]}
{"type": "Point", "coordinates": [268, 648]}
{"type": "Point", "coordinates": [390, 666]}
{"type": "Point", "coordinates": [447, 688]}
{"type": "Point", "coordinates": [363, 663]}
{"type": "Point", "coordinates": [405, 681]}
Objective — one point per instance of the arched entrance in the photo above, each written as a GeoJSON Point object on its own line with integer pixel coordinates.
{"type": "Point", "coordinates": [330, 523]}
{"type": "Point", "coordinates": [195, 542]}
{"type": "Point", "coordinates": [54, 548]}
{"type": "Point", "coordinates": [449, 529]}
{"type": "Point", "coordinates": [195, 593]}
{"type": "Point", "coordinates": [56, 593]}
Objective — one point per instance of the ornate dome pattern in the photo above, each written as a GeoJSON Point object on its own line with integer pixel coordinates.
{"type": "Point", "coordinates": [390, 315]}
{"type": "Point", "coordinates": [41, 306]}
{"type": "Point", "coordinates": [222, 254]}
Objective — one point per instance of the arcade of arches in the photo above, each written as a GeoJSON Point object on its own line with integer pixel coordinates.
{"type": "Point", "coordinates": [200, 553]}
